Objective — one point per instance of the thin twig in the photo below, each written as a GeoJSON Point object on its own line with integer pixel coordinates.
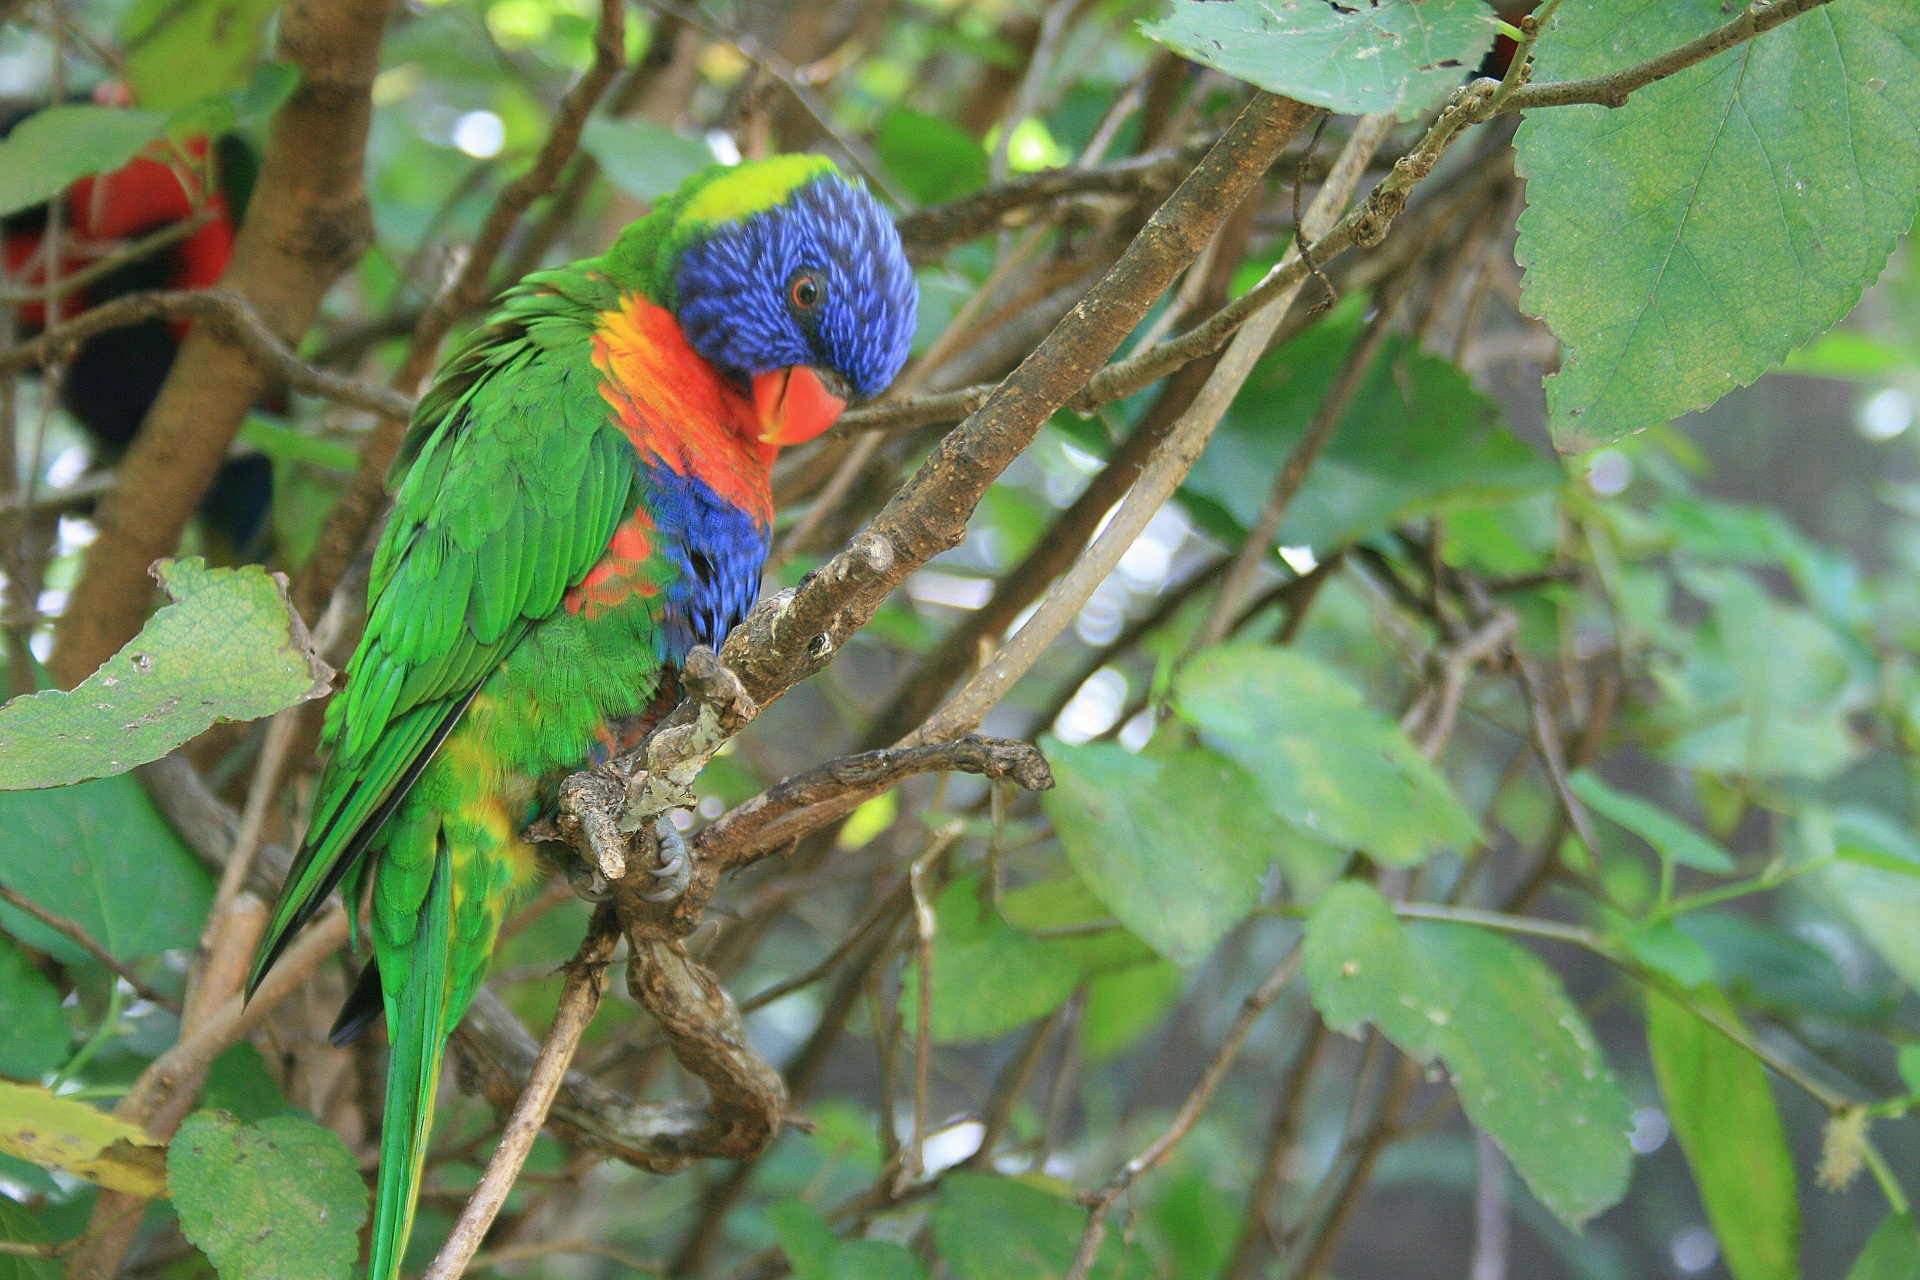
{"type": "Point", "coordinates": [1102, 1200]}
{"type": "Point", "coordinates": [579, 1001]}
{"type": "Point", "coordinates": [236, 319]}
{"type": "Point", "coordinates": [78, 935]}
{"type": "Point", "coordinates": [167, 236]}
{"type": "Point", "coordinates": [1614, 88]}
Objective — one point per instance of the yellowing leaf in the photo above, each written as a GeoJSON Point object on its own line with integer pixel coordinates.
{"type": "Point", "coordinates": [72, 1137]}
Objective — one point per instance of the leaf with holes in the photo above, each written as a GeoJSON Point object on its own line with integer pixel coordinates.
{"type": "Point", "coordinates": [69, 1136]}
{"type": "Point", "coordinates": [278, 1200]}
{"type": "Point", "coordinates": [229, 647]}
{"type": "Point", "coordinates": [1527, 1068]}
{"type": "Point", "coordinates": [1369, 56]}
{"type": "Point", "coordinates": [1683, 244]}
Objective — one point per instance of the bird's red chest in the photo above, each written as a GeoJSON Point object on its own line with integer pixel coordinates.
{"type": "Point", "coordinates": [677, 409]}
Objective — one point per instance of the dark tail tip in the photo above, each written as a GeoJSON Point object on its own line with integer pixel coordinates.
{"type": "Point", "coordinates": [364, 1004]}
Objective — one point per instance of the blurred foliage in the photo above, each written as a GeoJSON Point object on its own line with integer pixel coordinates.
{"type": "Point", "coordinates": [1649, 1011]}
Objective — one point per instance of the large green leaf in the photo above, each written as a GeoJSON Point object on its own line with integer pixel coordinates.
{"type": "Point", "coordinates": [1723, 1112]}
{"type": "Point", "coordinates": [932, 160]}
{"type": "Point", "coordinates": [1762, 689]}
{"type": "Point", "coordinates": [181, 51]}
{"type": "Point", "coordinates": [1418, 438]}
{"type": "Point", "coordinates": [990, 1228]}
{"type": "Point", "coordinates": [229, 647]}
{"type": "Point", "coordinates": [278, 1200]}
{"type": "Point", "coordinates": [51, 148]}
{"type": "Point", "coordinates": [1373, 56]}
{"type": "Point", "coordinates": [101, 855]}
{"type": "Point", "coordinates": [33, 1030]}
{"type": "Point", "coordinates": [988, 977]}
{"type": "Point", "coordinates": [1892, 1252]}
{"type": "Point", "coordinates": [1683, 244]}
{"type": "Point", "coordinates": [643, 159]}
{"type": "Point", "coordinates": [1123, 1005]}
{"type": "Point", "coordinates": [1173, 845]}
{"type": "Point", "coordinates": [1527, 1068]}
{"type": "Point", "coordinates": [1324, 760]}
{"type": "Point", "coordinates": [1875, 881]}
{"type": "Point", "coordinates": [17, 1226]}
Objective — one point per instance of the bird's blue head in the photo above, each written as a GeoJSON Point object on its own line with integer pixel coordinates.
{"type": "Point", "coordinates": [791, 280]}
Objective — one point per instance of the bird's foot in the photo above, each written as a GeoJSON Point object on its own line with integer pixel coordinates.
{"type": "Point", "coordinates": [675, 872]}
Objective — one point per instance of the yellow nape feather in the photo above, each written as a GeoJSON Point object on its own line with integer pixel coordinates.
{"type": "Point", "coordinates": [751, 188]}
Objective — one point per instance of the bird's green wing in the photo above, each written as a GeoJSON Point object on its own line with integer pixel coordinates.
{"type": "Point", "coordinates": [515, 477]}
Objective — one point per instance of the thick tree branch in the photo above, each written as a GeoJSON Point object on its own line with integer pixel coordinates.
{"type": "Point", "coordinates": [354, 512]}
{"type": "Point", "coordinates": [307, 223]}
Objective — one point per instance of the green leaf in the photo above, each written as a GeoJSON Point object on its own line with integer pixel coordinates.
{"type": "Point", "coordinates": [1683, 244]}
{"type": "Point", "coordinates": [229, 647]}
{"type": "Point", "coordinates": [1873, 881]}
{"type": "Point", "coordinates": [33, 1031]}
{"type": "Point", "coordinates": [50, 149]}
{"type": "Point", "coordinates": [1909, 1063]}
{"type": "Point", "coordinates": [643, 159]}
{"type": "Point", "coordinates": [988, 978]}
{"type": "Point", "coordinates": [100, 855]}
{"type": "Point", "coordinates": [1325, 761]}
{"type": "Point", "coordinates": [18, 1226]}
{"type": "Point", "coordinates": [1123, 1005]}
{"type": "Point", "coordinates": [1361, 967]}
{"type": "Point", "coordinates": [181, 51]}
{"type": "Point", "coordinates": [1527, 1069]}
{"type": "Point", "coordinates": [1723, 1112]}
{"type": "Point", "coordinates": [278, 1200]}
{"type": "Point", "coordinates": [933, 160]}
{"type": "Point", "coordinates": [67, 1135]}
{"type": "Point", "coordinates": [1670, 837]}
{"type": "Point", "coordinates": [1417, 439]}
{"type": "Point", "coordinates": [991, 1228]}
{"type": "Point", "coordinates": [1762, 690]}
{"type": "Point", "coordinates": [874, 1260]}
{"type": "Point", "coordinates": [1892, 1252]}
{"type": "Point", "coordinates": [1398, 56]}
{"type": "Point", "coordinates": [1067, 903]}
{"type": "Point", "coordinates": [1173, 845]}
{"type": "Point", "coordinates": [805, 1236]}
{"type": "Point", "coordinates": [1664, 947]}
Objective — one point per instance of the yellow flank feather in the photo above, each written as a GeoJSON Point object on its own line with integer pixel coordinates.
{"type": "Point", "coordinates": [751, 188]}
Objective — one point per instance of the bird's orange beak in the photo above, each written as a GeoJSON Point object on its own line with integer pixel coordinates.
{"type": "Point", "coordinates": [794, 405]}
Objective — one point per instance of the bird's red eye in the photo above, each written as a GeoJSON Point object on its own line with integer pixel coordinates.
{"type": "Point", "coordinates": [804, 292]}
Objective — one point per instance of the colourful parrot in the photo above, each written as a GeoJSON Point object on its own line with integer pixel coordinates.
{"type": "Point", "coordinates": [585, 497]}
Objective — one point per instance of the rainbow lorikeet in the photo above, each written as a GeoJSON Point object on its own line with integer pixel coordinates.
{"type": "Point", "coordinates": [586, 496]}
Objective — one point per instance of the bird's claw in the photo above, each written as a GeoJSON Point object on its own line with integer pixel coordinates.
{"type": "Point", "coordinates": [675, 871]}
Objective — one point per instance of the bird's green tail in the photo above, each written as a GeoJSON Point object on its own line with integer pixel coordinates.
{"type": "Point", "coordinates": [417, 1032]}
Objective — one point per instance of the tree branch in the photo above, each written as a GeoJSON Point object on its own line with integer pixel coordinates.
{"type": "Point", "coordinates": [579, 1001]}
{"type": "Point", "coordinates": [356, 509]}
{"type": "Point", "coordinates": [1614, 88]}
{"type": "Point", "coordinates": [227, 313]}
{"type": "Point", "coordinates": [308, 222]}
{"type": "Point", "coordinates": [74, 933]}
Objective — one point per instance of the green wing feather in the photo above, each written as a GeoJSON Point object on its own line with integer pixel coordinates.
{"type": "Point", "coordinates": [515, 477]}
